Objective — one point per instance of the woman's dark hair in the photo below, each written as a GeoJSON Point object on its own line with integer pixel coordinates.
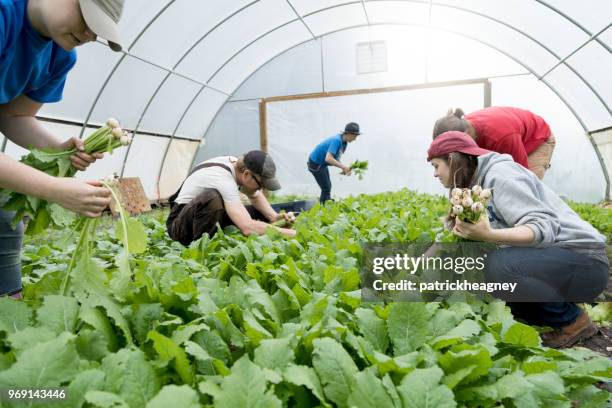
{"type": "Point", "coordinates": [462, 168]}
{"type": "Point", "coordinates": [452, 121]}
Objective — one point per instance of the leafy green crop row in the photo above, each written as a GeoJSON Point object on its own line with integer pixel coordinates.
{"type": "Point", "coordinates": [599, 217]}
{"type": "Point", "coordinates": [265, 321]}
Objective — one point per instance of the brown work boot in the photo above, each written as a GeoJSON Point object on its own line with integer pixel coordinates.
{"type": "Point", "coordinates": [581, 329]}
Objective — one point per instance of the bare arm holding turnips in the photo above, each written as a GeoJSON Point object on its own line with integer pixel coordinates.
{"type": "Point", "coordinates": [329, 159]}
{"type": "Point", "coordinates": [261, 203]}
{"type": "Point", "coordinates": [247, 225]}
{"type": "Point", "coordinates": [19, 124]}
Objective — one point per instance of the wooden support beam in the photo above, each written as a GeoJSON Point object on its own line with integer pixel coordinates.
{"type": "Point", "coordinates": [368, 91]}
{"type": "Point", "coordinates": [263, 129]}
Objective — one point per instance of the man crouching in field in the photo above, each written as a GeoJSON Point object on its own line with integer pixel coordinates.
{"type": "Point", "coordinates": [211, 195]}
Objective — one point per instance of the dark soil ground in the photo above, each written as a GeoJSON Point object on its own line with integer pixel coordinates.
{"type": "Point", "coordinates": [601, 342]}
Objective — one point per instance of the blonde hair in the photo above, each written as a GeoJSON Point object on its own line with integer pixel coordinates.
{"type": "Point", "coordinates": [240, 166]}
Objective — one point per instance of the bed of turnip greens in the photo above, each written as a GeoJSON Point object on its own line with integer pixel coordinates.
{"type": "Point", "coordinates": [266, 321]}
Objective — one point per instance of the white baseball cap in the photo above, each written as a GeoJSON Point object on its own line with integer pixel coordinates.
{"type": "Point", "coordinates": [102, 17]}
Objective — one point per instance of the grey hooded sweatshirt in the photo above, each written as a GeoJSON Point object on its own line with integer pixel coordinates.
{"type": "Point", "coordinates": [520, 198]}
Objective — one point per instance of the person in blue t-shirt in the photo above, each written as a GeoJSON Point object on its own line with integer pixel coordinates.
{"type": "Point", "coordinates": [37, 41]}
{"type": "Point", "coordinates": [328, 153]}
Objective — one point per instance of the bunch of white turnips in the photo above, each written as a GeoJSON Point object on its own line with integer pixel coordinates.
{"type": "Point", "coordinates": [117, 132]}
{"type": "Point", "coordinates": [467, 204]}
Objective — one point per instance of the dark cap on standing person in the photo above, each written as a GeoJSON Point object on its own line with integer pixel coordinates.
{"type": "Point", "coordinates": [353, 128]}
{"type": "Point", "coordinates": [102, 17]}
{"type": "Point", "coordinates": [454, 141]}
{"type": "Point", "coordinates": [261, 163]}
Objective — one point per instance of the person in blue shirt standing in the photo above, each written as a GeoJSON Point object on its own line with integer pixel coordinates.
{"type": "Point", "coordinates": [328, 153]}
{"type": "Point", "coordinates": [37, 41]}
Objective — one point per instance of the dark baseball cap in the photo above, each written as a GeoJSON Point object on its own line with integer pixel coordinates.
{"type": "Point", "coordinates": [261, 163]}
{"type": "Point", "coordinates": [353, 128]}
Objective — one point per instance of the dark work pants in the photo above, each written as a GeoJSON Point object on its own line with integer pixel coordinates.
{"type": "Point", "coordinates": [188, 222]}
{"type": "Point", "coordinates": [550, 281]}
{"type": "Point", "coordinates": [10, 254]}
{"type": "Point", "coordinates": [321, 175]}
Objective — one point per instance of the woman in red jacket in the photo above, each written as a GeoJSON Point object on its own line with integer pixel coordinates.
{"type": "Point", "coordinates": [523, 135]}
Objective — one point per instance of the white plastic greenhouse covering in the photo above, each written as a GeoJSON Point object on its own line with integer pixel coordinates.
{"type": "Point", "coordinates": [227, 72]}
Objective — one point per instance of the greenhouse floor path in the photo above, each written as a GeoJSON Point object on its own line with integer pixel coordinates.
{"type": "Point", "coordinates": [601, 342]}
